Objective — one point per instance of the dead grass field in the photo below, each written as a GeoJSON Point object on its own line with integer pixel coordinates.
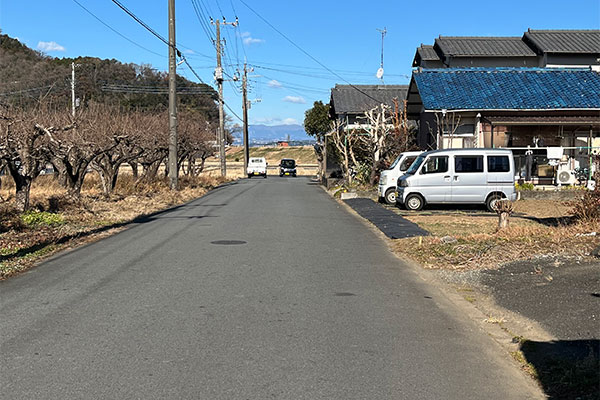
{"type": "Point", "coordinates": [302, 154]}
{"type": "Point", "coordinates": [56, 222]}
{"type": "Point", "coordinates": [471, 240]}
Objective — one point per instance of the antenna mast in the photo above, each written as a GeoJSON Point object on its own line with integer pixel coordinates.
{"type": "Point", "coordinates": [380, 70]}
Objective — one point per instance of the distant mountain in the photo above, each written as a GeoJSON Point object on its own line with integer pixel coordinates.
{"type": "Point", "coordinates": [273, 133]}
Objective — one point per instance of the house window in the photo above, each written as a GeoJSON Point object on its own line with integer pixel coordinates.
{"type": "Point", "coordinates": [461, 130]}
{"type": "Point", "coordinates": [498, 164]}
{"type": "Point", "coordinates": [435, 165]}
{"type": "Point", "coordinates": [468, 164]}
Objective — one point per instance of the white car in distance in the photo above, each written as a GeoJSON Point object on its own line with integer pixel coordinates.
{"type": "Point", "coordinates": [257, 166]}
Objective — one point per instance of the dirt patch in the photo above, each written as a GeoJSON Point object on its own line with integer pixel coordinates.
{"type": "Point", "coordinates": [470, 240]}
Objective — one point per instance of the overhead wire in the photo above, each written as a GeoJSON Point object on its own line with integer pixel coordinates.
{"type": "Point", "coordinates": [305, 52]}
{"type": "Point", "coordinates": [115, 31]}
{"type": "Point", "coordinates": [160, 37]}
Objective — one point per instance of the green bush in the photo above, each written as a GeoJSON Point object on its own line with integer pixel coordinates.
{"type": "Point", "coordinates": [524, 186]}
{"type": "Point", "coordinates": [39, 218]}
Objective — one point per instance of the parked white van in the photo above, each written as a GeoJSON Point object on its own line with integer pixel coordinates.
{"type": "Point", "coordinates": [459, 176]}
{"type": "Point", "coordinates": [257, 166]}
{"type": "Point", "coordinates": [387, 181]}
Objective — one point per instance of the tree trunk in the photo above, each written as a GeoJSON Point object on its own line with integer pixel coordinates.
{"type": "Point", "coordinates": [503, 219]}
{"type": "Point", "coordinates": [22, 187]}
{"type": "Point", "coordinates": [108, 177]}
{"type": "Point", "coordinates": [201, 168]}
{"type": "Point", "coordinates": [134, 169]}
{"type": "Point", "coordinates": [150, 171]}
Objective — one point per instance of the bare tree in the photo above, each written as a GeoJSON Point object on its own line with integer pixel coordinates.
{"type": "Point", "coordinates": [20, 150]}
{"type": "Point", "coordinates": [446, 124]}
{"type": "Point", "coordinates": [345, 143]}
{"type": "Point", "coordinates": [125, 132]}
{"type": "Point", "coordinates": [72, 150]}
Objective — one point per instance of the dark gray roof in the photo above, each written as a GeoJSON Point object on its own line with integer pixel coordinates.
{"type": "Point", "coordinates": [477, 46]}
{"type": "Point", "coordinates": [351, 99]}
{"type": "Point", "coordinates": [564, 41]}
{"type": "Point", "coordinates": [426, 52]}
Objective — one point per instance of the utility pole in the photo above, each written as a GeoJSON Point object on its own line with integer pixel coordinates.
{"type": "Point", "coordinates": [219, 79]}
{"type": "Point", "coordinates": [173, 170]}
{"type": "Point", "coordinates": [73, 89]}
{"type": "Point", "coordinates": [245, 107]}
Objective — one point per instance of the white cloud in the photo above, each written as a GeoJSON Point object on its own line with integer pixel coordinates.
{"type": "Point", "coordinates": [250, 40]}
{"type": "Point", "coordinates": [290, 121]}
{"type": "Point", "coordinates": [294, 99]}
{"type": "Point", "coordinates": [274, 121]}
{"type": "Point", "coordinates": [189, 51]}
{"type": "Point", "coordinates": [274, 84]}
{"type": "Point", "coordinates": [50, 46]}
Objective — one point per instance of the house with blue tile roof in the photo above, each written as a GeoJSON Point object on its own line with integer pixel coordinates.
{"type": "Point", "coordinates": [507, 107]}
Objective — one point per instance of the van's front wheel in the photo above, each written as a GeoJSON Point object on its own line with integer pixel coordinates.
{"type": "Point", "coordinates": [390, 196]}
{"type": "Point", "coordinates": [491, 202]}
{"type": "Point", "coordinates": [414, 202]}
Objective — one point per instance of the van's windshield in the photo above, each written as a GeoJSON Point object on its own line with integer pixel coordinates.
{"type": "Point", "coordinates": [415, 165]}
{"type": "Point", "coordinates": [407, 162]}
{"type": "Point", "coordinates": [396, 161]}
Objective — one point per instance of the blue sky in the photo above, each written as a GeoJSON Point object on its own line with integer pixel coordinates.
{"type": "Point", "coordinates": [342, 35]}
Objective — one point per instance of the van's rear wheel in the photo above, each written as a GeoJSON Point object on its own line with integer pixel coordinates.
{"type": "Point", "coordinates": [390, 196]}
{"type": "Point", "coordinates": [414, 202]}
{"type": "Point", "coordinates": [491, 202]}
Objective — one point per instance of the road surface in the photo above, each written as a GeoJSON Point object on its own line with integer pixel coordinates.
{"type": "Point", "coordinates": [265, 288]}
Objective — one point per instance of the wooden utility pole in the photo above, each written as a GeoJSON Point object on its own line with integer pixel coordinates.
{"type": "Point", "coordinates": [219, 79]}
{"type": "Point", "coordinates": [173, 170]}
{"type": "Point", "coordinates": [73, 89]}
{"type": "Point", "coordinates": [245, 108]}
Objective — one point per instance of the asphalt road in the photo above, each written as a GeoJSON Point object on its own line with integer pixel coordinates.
{"type": "Point", "coordinates": [311, 306]}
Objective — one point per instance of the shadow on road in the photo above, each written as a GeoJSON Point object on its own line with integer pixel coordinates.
{"type": "Point", "coordinates": [566, 369]}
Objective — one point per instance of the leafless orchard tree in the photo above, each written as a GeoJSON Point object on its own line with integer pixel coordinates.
{"type": "Point", "coordinates": [126, 131]}
{"type": "Point", "coordinates": [197, 141]}
{"type": "Point", "coordinates": [21, 149]}
{"type": "Point", "coordinates": [72, 151]}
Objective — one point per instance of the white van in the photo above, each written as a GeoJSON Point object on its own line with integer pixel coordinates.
{"type": "Point", "coordinates": [459, 176]}
{"type": "Point", "coordinates": [387, 181]}
{"type": "Point", "coordinates": [257, 166]}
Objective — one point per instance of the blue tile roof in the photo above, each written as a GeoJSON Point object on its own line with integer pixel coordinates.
{"type": "Point", "coordinates": [508, 88]}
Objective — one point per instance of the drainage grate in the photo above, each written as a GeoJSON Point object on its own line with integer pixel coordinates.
{"type": "Point", "coordinates": [345, 294]}
{"type": "Point", "coordinates": [228, 242]}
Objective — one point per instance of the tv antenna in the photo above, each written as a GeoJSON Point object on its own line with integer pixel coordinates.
{"type": "Point", "coordinates": [379, 74]}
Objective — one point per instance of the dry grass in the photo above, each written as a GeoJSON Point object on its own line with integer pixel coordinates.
{"type": "Point", "coordinates": [21, 245]}
{"type": "Point", "coordinates": [480, 245]}
{"type": "Point", "coordinates": [302, 154]}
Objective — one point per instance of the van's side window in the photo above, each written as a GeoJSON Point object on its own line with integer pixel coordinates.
{"type": "Point", "coordinates": [435, 165]}
{"type": "Point", "coordinates": [464, 164]}
{"type": "Point", "coordinates": [498, 164]}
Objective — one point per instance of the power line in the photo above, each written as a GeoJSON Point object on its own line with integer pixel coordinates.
{"type": "Point", "coordinates": [139, 21]}
{"type": "Point", "coordinates": [142, 23]}
{"type": "Point", "coordinates": [305, 52]}
{"type": "Point", "coordinates": [115, 31]}
{"type": "Point", "coordinates": [233, 112]}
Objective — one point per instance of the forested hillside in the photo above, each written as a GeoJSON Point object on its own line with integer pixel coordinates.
{"type": "Point", "coordinates": [26, 76]}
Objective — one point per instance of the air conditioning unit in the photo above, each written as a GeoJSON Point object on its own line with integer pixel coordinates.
{"type": "Point", "coordinates": [566, 177]}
